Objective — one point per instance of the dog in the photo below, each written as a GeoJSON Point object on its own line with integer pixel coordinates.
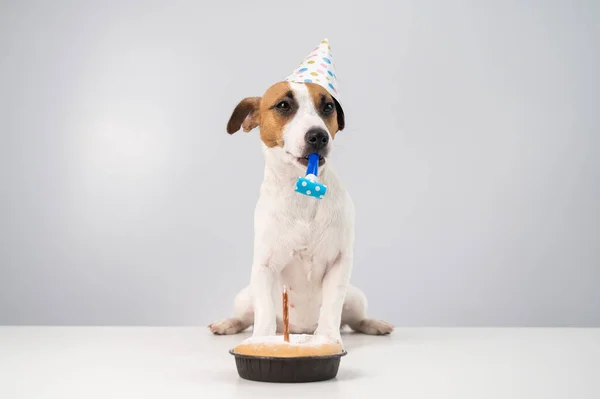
{"type": "Point", "coordinates": [302, 243]}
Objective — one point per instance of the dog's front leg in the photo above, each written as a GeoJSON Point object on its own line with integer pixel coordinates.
{"type": "Point", "coordinates": [335, 286]}
{"type": "Point", "coordinates": [271, 255]}
{"type": "Point", "coordinates": [263, 282]}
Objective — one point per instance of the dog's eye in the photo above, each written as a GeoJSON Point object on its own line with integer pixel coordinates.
{"type": "Point", "coordinates": [283, 106]}
{"type": "Point", "coordinates": [328, 108]}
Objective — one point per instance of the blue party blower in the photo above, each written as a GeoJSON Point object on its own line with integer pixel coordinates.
{"type": "Point", "coordinates": [308, 185]}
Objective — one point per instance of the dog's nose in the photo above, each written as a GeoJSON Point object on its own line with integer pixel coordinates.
{"type": "Point", "coordinates": [317, 138]}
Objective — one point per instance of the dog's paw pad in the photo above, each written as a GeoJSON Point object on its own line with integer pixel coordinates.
{"type": "Point", "coordinates": [225, 327]}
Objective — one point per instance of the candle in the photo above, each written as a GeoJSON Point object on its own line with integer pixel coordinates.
{"type": "Point", "coordinates": [286, 316]}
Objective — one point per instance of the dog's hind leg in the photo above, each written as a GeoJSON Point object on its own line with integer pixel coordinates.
{"type": "Point", "coordinates": [243, 316]}
{"type": "Point", "coordinates": [354, 315]}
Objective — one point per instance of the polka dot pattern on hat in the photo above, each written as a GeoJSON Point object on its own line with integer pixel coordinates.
{"type": "Point", "coordinates": [318, 67]}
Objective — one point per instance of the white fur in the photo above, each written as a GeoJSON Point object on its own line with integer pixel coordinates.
{"type": "Point", "coordinates": [306, 117]}
{"type": "Point", "coordinates": [303, 243]}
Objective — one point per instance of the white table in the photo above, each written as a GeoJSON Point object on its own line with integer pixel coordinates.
{"type": "Point", "coordinates": [173, 362]}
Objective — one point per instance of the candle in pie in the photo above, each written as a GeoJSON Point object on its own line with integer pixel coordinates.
{"type": "Point", "coordinates": [286, 316]}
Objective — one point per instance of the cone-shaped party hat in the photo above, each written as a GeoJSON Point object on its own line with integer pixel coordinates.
{"type": "Point", "coordinates": [318, 67]}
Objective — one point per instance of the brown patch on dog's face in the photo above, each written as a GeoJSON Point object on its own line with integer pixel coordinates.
{"type": "Point", "coordinates": [328, 108]}
{"type": "Point", "coordinates": [277, 108]}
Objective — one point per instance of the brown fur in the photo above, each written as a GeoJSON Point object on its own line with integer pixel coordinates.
{"type": "Point", "coordinates": [244, 115]}
{"type": "Point", "coordinates": [273, 122]}
{"type": "Point", "coordinates": [335, 120]}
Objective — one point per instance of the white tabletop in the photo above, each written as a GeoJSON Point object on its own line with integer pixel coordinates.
{"type": "Point", "coordinates": [173, 362]}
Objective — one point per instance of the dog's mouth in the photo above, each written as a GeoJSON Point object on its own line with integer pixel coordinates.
{"type": "Point", "coordinates": [304, 160]}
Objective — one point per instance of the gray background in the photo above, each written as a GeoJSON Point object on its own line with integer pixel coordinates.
{"type": "Point", "coordinates": [471, 151]}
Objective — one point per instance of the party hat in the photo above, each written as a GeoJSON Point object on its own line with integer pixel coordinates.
{"type": "Point", "coordinates": [318, 68]}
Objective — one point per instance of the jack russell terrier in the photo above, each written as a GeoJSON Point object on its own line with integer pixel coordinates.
{"type": "Point", "coordinates": [300, 242]}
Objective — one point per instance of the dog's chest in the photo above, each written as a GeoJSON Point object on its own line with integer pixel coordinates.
{"type": "Point", "coordinates": [313, 246]}
{"type": "Point", "coordinates": [307, 232]}
{"type": "Point", "coordinates": [313, 235]}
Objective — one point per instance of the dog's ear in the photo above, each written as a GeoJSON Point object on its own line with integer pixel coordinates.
{"type": "Point", "coordinates": [245, 115]}
{"type": "Point", "coordinates": [341, 118]}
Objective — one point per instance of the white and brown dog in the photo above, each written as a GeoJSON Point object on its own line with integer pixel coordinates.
{"type": "Point", "coordinates": [300, 242]}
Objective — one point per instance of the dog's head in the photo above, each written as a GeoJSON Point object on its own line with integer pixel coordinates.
{"type": "Point", "coordinates": [295, 119]}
